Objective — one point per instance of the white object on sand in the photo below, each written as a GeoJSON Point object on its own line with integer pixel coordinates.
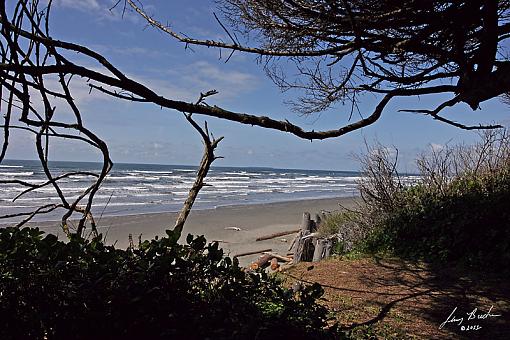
{"type": "Point", "coordinates": [233, 228]}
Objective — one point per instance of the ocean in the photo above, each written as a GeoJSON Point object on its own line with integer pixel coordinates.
{"type": "Point", "coordinates": [149, 188]}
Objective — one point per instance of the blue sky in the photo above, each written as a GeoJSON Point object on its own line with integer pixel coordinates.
{"type": "Point", "coordinates": [142, 133]}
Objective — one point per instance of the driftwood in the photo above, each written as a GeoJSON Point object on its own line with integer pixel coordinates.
{"type": "Point", "coordinates": [303, 244]}
{"type": "Point", "coordinates": [253, 252]}
{"type": "Point", "coordinates": [304, 249]}
{"type": "Point", "coordinates": [306, 222]}
{"type": "Point", "coordinates": [307, 245]}
{"type": "Point", "coordinates": [283, 233]}
{"type": "Point", "coordinates": [274, 263]}
{"type": "Point", "coordinates": [318, 220]}
{"type": "Point", "coordinates": [285, 266]}
{"type": "Point", "coordinates": [279, 257]}
{"type": "Point", "coordinates": [309, 235]}
{"type": "Point", "coordinates": [319, 250]}
{"type": "Point", "coordinates": [298, 234]}
{"type": "Point", "coordinates": [233, 228]}
{"type": "Point", "coordinates": [261, 261]}
{"type": "Point", "coordinates": [220, 241]}
{"type": "Point", "coordinates": [327, 250]}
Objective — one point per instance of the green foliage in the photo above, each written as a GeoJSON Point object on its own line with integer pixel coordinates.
{"type": "Point", "coordinates": [83, 289]}
{"type": "Point", "coordinates": [333, 222]}
{"type": "Point", "coordinates": [345, 228]}
{"type": "Point", "coordinates": [458, 212]}
{"type": "Point", "coordinates": [467, 222]}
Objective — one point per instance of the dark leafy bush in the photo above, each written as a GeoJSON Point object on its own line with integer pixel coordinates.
{"type": "Point", "coordinates": [469, 223]}
{"type": "Point", "coordinates": [83, 289]}
{"type": "Point", "coordinates": [457, 213]}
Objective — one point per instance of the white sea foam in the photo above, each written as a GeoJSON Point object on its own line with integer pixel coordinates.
{"type": "Point", "coordinates": [121, 178]}
{"type": "Point", "coordinates": [11, 166]}
{"type": "Point", "coordinates": [107, 196]}
{"type": "Point", "coordinates": [150, 172]}
{"type": "Point", "coordinates": [223, 178]}
{"type": "Point", "coordinates": [160, 186]}
{"type": "Point", "coordinates": [135, 188]}
{"type": "Point", "coordinates": [22, 173]}
{"type": "Point", "coordinates": [150, 194]}
{"type": "Point", "coordinates": [308, 186]}
{"type": "Point", "coordinates": [351, 178]}
{"type": "Point", "coordinates": [140, 186]}
{"type": "Point", "coordinates": [180, 193]}
{"type": "Point", "coordinates": [217, 185]}
{"type": "Point", "coordinates": [149, 178]}
{"type": "Point", "coordinates": [15, 206]}
{"type": "Point", "coordinates": [185, 170]}
{"type": "Point", "coordinates": [119, 204]}
{"type": "Point", "coordinates": [38, 199]}
{"type": "Point", "coordinates": [80, 177]}
{"type": "Point", "coordinates": [177, 177]}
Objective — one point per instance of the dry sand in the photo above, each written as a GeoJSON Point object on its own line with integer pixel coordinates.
{"type": "Point", "coordinates": [253, 220]}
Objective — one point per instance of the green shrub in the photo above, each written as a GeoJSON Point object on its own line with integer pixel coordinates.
{"type": "Point", "coordinates": [82, 289]}
{"type": "Point", "coordinates": [470, 223]}
{"type": "Point", "coordinates": [333, 222]}
{"type": "Point", "coordinates": [457, 213]}
{"type": "Point", "coordinates": [344, 229]}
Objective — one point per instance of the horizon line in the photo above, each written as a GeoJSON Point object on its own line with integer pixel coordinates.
{"type": "Point", "coordinates": [187, 165]}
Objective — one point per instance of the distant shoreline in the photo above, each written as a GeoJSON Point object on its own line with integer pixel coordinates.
{"type": "Point", "coordinates": [191, 166]}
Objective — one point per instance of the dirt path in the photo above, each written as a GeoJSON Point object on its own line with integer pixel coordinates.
{"type": "Point", "coordinates": [395, 299]}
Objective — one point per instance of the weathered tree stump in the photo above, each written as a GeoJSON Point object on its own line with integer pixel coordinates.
{"type": "Point", "coordinates": [319, 250]}
{"type": "Point", "coordinates": [328, 248]}
{"type": "Point", "coordinates": [318, 220]}
{"type": "Point", "coordinates": [306, 222]}
{"type": "Point", "coordinates": [302, 243]}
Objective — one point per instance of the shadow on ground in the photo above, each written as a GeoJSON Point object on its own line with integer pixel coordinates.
{"type": "Point", "coordinates": [400, 299]}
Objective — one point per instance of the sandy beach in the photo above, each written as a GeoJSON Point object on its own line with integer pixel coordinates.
{"type": "Point", "coordinates": [253, 220]}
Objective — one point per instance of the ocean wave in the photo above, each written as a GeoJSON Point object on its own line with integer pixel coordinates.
{"type": "Point", "coordinates": [152, 194]}
{"type": "Point", "coordinates": [121, 178]}
{"type": "Point", "coordinates": [25, 173]}
{"type": "Point", "coordinates": [15, 207]}
{"type": "Point", "coordinates": [185, 170]}
{"type": "Point", "coordinates": [223, 178]}
{"type": "Point", "coordinates": [119, 204]}
{"type": "Point", "coordinates": [134, 188]}
{"type": "Point", "coordinates": [150, 172]}
{"type": "Point", "coordinates": [227, 185]}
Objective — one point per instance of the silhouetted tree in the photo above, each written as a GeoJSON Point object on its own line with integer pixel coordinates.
{"type": "Point", "coordinates": [344, 49]}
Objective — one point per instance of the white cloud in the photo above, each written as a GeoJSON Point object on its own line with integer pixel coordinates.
{"type": "Point", "coordinates": [213, 72]}
{"type": "Point", "coordinates": [128, 51]}
{"type": "Point", "coordinates": [203, 76]}
{"type": "Point", "coordinates": [84, 5]}
{"type": "Point", "coordinates": [102, 9]}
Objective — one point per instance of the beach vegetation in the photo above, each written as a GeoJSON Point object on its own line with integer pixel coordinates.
{"type": "Point", "coordinates": [456, 212]}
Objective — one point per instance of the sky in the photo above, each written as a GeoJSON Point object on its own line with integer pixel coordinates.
{"type": "Point", "coordinates": [144, 133]}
